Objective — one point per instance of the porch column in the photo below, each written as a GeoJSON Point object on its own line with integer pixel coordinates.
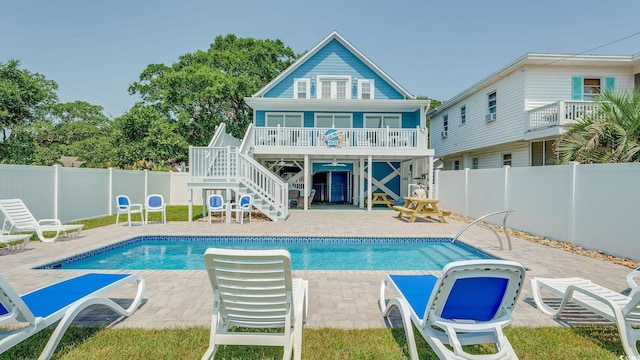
{"type": "Point", "coordinates": [369, 168]}
{"type": "Point", "coordinates": [305, 190]}
{"type": "Point", "coordinates": [361, 184]}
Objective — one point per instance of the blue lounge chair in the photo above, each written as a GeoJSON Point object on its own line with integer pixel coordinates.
{"type": "Point", "coordinates": [62, 302]}
{"type": "Point", "coordinates": [470, 303]}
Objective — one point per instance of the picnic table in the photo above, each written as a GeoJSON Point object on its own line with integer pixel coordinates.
{"type": "Point", "coordinates": [381, 199]}
{"type": "Point", "coordinates": [420, 206]}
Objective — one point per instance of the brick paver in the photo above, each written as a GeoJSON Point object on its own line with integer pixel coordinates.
{"type": "Point", "coordinates": [344, 299]}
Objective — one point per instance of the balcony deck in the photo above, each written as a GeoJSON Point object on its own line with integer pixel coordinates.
{"type": "Point", "coordinates": [346, 141]}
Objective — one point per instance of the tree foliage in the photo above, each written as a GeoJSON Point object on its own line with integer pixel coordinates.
{"type": "Point", "coordinates": [206, 88]}
{"type": "Point", "coordinates": [609, 135]}
{"type": "Point", "coordinates": [24, 96]}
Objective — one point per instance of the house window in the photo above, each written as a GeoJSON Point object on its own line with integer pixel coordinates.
{"type": "Point", "coordinates": [456, 164]}
{"type": "Point", "coordinates": [342, 121]}
{"type": "Point", "coordinates": [492, 102]}
{"type": "Point", "coordinates": [445, 122]}
{"type": "Point", "coordinates": [302, 89]}
{"type": "Point", "coordinates": [378, 121]}
{"type": "Point", "coordinates": [542, 153]}
{"type": "Point", "coordinates": [506, 159]}
{"type": "Point", "coordinates": [285, 120]}
{"type": "Point", "coordinates": [474, 163]}
{"type": "Point", "coordinates": [365, 89]}
{"type": "Point", "coordinates": [590, 89]}
{"type": "Point", "coordinates": [334, 88]}
{"type": "Point", "coordinates": [463, 114]}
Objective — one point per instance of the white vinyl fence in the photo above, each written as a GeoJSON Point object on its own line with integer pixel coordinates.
{"type": "Point", "coordinates": [594, 206]}
{"type": "Point", "coordinates": [71, 194]}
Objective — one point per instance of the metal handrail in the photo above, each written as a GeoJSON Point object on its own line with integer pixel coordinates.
{"type": "Point", "coordinates": [504, 227]}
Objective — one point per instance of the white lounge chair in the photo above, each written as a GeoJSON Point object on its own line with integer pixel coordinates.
{"type": "Point", "coordinates": [631, 278]}
{"type": "Point", "coordinates": [620, 309]}
{"type": "Point", "coordinates": [215, 204]}
{"type": "Point", "coordinates": [18, 218]}
{"type": "Point", "coordinates": [254, 289]}
{"type": "Point", "coordinates": [155, 203]}
{"type": "Point", "coordinates": [60, 302]}
{"type": "Point", "coordinates": [8, 239]}
{"type": "Point", "coordinates": [470, 303]}
{"type": "Point", "coordinates": [124, 206]}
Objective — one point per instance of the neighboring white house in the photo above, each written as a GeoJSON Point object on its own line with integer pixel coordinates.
{"type": "Point", "coordinates": [513, 116]}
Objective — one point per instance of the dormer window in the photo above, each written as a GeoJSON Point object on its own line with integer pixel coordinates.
{"type": "Point", "coordinates": [334, 87]}
{"type": "Point", "coordinates": [302, 89]}
{"type": "Point", "coordinates": [365, 89]}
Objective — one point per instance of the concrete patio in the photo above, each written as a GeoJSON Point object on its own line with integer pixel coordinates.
{"type": "Point", "coordinates": [343, 299]}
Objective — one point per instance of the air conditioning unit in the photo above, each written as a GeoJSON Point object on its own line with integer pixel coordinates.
{"type": "Point", "coordinates": [490, 117]}
{"type": "Point", "coordinates": [445, 134]}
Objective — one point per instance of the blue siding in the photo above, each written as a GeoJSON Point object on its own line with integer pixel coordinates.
{"type": "Point", "coordinates": [380, 171]}
{"type": "Point", "coordinates": [333, 59]}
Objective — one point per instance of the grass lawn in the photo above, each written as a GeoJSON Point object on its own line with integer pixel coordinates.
{"type": "Point", "coordinates": [191, 342]}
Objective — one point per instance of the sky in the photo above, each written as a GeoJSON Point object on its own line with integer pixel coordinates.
{"type": "Point", "coordinates": [95, 49]}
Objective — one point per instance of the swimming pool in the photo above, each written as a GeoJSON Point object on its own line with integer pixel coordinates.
{"type": "Point", "coordinates": [307, 253]}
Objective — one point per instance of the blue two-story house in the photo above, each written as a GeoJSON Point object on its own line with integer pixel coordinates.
{"type": "Point", "coordinates": [334, 122]}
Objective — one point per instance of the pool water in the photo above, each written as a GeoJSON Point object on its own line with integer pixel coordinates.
{"type": "Point", "coordinates": [307, 253]}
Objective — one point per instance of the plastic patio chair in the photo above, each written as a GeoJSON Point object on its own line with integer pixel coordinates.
{"type": "Point", "coordinates": [124, 206]}
{"type": "Point", "coordinates": [155, 203]}
{"type": "Point", "coordinates": [215, 204]}
{"type": "Point", "coordinates": [244, 206]}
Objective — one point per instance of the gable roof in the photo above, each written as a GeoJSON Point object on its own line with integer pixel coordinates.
{"type": "Point", "coordinates": [334, 36]}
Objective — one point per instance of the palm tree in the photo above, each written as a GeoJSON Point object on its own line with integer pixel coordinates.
{"type": "Point", "coordinates": [609, 135]}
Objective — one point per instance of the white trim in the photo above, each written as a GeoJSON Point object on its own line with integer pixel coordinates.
{"type": "Point", "coordinates": [334, 79]}
{"type": "Point", "coordinates": [371, 88]}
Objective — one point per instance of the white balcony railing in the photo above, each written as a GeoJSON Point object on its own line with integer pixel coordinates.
{"type": "Point", "coordinates": [389, 138]}
{"type": "Point", "coordinates": [559, 113]}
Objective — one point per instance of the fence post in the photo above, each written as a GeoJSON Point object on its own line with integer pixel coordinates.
{"type": "Point", "coordinates": [110, 192]}
{"type": "Point", "coordinates": [571, 231]}
{"type": "Point", "coordinates": [56, 192]}
{"type": "Point", "coordinates": [506, 187]}
{"type": "Point", "coordinates": [146, 185]}
{"type": "Point", "coordinates": [466, 192]}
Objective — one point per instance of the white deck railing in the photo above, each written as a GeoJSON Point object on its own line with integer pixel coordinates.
{"type": "Point", "coordinates": [388, 138]}
{"type": "Point", "coordinates": [559, 113]}
{"type": "Point", "coordinates": [226, 164]}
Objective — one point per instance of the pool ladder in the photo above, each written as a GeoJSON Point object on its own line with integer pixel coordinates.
{"type": "Point", "coordinates": [481, 218]}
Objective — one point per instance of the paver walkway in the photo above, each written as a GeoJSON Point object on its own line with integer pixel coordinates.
{"type": "Point", "coordinates": [344, 299]}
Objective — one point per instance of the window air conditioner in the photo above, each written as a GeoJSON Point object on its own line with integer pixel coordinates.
{"type": "Point", "coordinates": [445, 134]}
{"type": "Point", "coordinates": [490, 117]}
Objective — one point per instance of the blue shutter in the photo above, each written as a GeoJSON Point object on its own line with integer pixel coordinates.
{"type": "Point", "coordinates": [576, 87]}
{"type": "Point", "coordinates": [609, 83]}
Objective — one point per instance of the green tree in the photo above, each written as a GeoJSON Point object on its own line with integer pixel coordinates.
{"type": "Point", "coordinates": [143, 138]}
{"type": "Point", "coordinates": [609, 135]}
{"type": "Point", "coordinates": [206, 88]}
{"type": "Point", "coordinates": [24, 96]}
